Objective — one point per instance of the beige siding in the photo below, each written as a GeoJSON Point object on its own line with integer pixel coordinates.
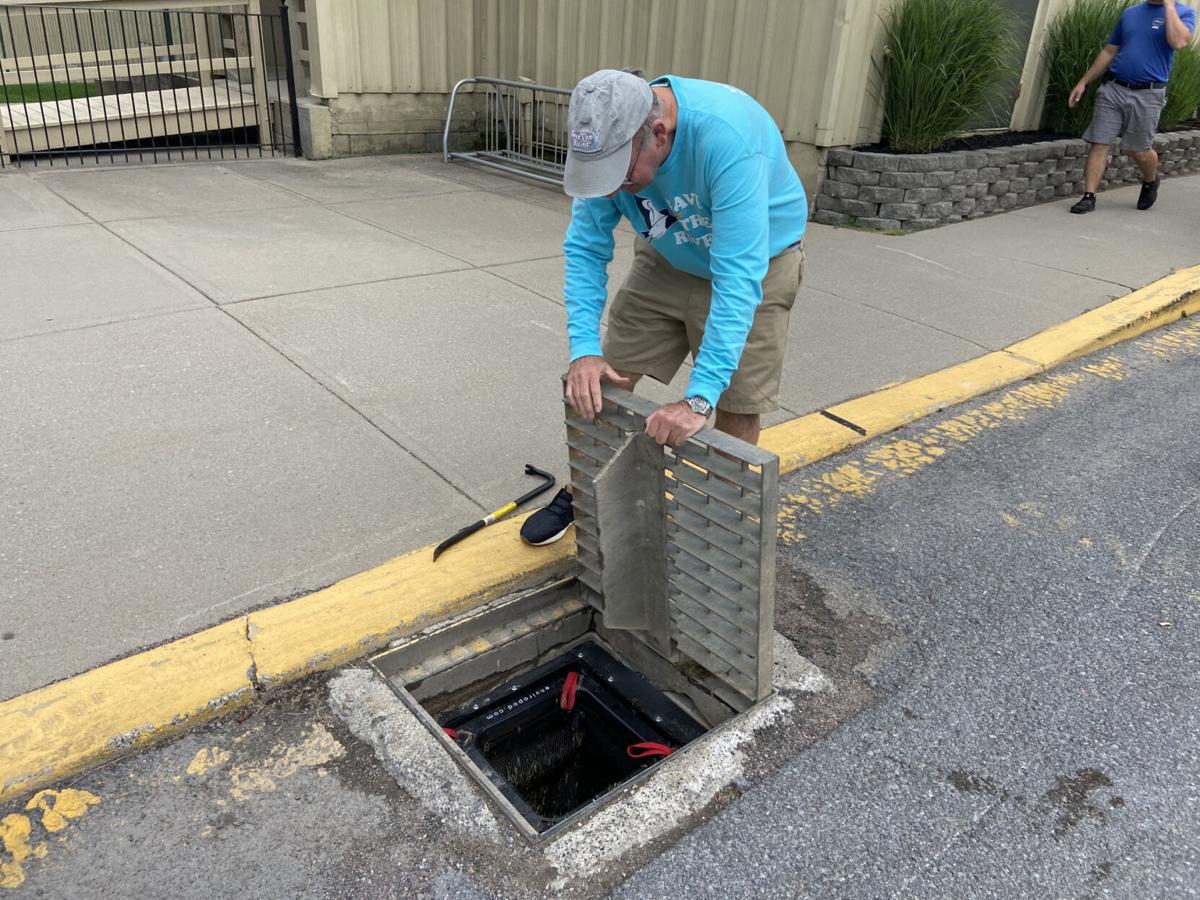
{"type": "Point", "coordinates": [807, 61]}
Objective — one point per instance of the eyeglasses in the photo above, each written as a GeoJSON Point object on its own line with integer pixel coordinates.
{"type": "Point", "coordinates": [628, 182]}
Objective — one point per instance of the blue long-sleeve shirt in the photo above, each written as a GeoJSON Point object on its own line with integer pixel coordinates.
{"type": "Point", "coordinates": [723, 203]}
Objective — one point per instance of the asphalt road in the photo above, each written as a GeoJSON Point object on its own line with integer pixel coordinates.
{"type": "Point", "coordinates": [1036, 732]}
{"type": "Point", "coordinates": [1007, 599]}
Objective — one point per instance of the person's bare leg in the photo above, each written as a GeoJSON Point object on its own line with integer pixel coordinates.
{"type": "Point", "coordinates": [1093, 169]}
{"type": "Point", "coordinates": [745, 426]}
{"type": "Point", "coordinates": [1147, 161]}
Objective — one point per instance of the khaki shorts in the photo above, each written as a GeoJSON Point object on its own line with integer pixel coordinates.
{"type": "Point", "coordinates": [659, 314]}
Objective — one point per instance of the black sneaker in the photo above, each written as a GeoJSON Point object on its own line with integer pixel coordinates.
{"type": "Point", "coordinates": [1085, 205]}
{"type": "Point", "coordinates": [549, 524]}
{"type": "Point", "coordinates": [1149, 193]}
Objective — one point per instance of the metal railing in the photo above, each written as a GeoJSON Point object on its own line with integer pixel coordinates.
{"type": "Point", "coordinates": [85, 85]}
{"type": "Point", "coordinates": [524, 128]}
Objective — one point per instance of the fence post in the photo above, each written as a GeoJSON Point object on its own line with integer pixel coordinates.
{"type": "Point", "coordinates": [258, 66]}
{"type": "Point", "coordinates": [289, 63]}
{"type": "Point", "coordinates": [4, 151]}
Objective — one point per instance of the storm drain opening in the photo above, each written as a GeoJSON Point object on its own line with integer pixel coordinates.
{"type": "Point", "coordinates": [559, 737]}
{"type": "Point", "coordinates": [561, 699]}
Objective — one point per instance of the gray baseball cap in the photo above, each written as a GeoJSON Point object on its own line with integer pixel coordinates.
{"type": "Point", "coordinates": [607, 109]}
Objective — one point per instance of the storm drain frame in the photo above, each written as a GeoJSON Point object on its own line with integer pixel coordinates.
{"type": "Point", "coordinates": [675, 583]}
{"type": "Point", "coordinates": [614, 714]}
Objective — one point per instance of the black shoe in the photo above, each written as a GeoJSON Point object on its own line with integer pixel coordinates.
{"type": "Point", "coordinates": [549, 524]}
{"type": "Point", "coordinates": [1149, 193]}
{"type": "Point", "coordinates": [1085, 205]}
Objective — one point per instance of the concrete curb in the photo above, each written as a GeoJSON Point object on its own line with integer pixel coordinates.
{"type": "Point", "coordinates": [66, 727]}
{"type": "Point", "coordinates": [83, 721]}
{"type": "Point", "coordinates": [816, 436]}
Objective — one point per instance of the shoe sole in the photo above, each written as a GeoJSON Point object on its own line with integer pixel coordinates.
{"type": "Point", "coordinates": [549, 540]}
{"type": "Point", "coordinates": [1081, 212]}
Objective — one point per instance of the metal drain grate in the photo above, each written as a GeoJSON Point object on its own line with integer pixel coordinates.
{"type": "Point", "coordinates": [678, 545]}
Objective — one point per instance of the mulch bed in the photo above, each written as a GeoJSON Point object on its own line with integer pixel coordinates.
{"type": "Point", "coordinates": [997, 139]}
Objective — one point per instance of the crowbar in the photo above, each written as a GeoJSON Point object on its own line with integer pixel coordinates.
{"type": "Point", "coordinates": [547, 483]}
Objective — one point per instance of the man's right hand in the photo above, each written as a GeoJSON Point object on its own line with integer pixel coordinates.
{"type": "Point", "coordinates": [583, 384]}
{"type": "Point", "coordinates": [1076, 94]}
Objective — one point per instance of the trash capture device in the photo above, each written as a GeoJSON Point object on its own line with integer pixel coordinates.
{"type": "Point", "coordinates": [561, 699]}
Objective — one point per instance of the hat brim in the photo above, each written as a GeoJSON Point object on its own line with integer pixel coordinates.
{"type": "Point", "coordinates": [586, 178]}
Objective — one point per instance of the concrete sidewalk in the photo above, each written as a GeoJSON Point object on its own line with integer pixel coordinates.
{"type": "Point", "coordinates": [230, 383]}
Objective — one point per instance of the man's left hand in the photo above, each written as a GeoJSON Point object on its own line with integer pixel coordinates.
{"type": "Point", "coordinates": [674, 423]}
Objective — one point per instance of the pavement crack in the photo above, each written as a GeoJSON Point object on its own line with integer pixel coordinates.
{"type": "Point", "coordinates": [931, 262]}
{"type": "Point", "coordinates": [1149, 548]}
{"type": "Point", "coordinates": [903, 318]}
{"type": "Point", "coordinates": [252, 671]}
{"type": "Point", "coordinates": [931, 860]}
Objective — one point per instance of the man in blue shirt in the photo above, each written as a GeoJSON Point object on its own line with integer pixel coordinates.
{"type": "Point", "coordinates": [1136, 63]}
{"type": "Point", "coordinates": [700, 171]}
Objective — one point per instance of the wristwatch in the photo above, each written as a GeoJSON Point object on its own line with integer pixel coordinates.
{"type": "Point", "coordinates": [699, 405]}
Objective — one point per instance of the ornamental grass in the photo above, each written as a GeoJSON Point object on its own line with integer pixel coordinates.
{"type": "Point", "coordinates": [942, 58]}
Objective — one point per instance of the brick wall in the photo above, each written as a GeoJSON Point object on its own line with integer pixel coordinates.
{"type": "Point", "coordinates": [888, 191]}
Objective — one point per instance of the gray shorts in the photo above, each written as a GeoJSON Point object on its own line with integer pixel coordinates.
{"type": "Point", "coordinates": [1127, 114]}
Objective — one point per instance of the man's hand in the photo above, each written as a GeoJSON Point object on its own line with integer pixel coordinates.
{"type": "Point", "coordinates": [674, 423]}
{"type": "Point", "coordinates": [1076, 94]}
{"type": "Point", "coordinates": [583, 384]}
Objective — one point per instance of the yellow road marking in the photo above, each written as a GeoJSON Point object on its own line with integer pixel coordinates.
{"type": "Point", "coordinates": [207, 758]}
{"type": "Point", "coordinates": [900, 458]}
{"type": "Point", "coordinates": [285, 761]}
{"type": "Point", "coordinates": [58, 809]}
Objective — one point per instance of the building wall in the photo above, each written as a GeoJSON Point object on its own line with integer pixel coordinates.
{"type": "Point", "coordinates": [809, 63]}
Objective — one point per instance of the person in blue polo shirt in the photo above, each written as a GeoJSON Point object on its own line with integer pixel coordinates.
{"type": "Point", "coordinates": [1136, 63]}
{"type": "Point", "coordinates": [699, 169]}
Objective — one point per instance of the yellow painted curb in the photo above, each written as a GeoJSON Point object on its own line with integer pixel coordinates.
{"type": "Point", "coordinates": [365, 611]}
{"type": "Point", "coordinates": [1145, 309]}
{"type": "Point", "coordinates": [61, 729]}
{"type": "Point", "coordinates": [78, 723]}
{"type": "Point", "coordinates": [814, 437]}
{"type": "Point", "coordinates": [810, 438]}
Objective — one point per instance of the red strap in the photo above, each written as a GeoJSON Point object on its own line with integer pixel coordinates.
{"type": "Point", "coordinates": [450, 733]}
{"type": "Point", "coordinates": [648, 748]}
{"type": "Point", "coordinates": [567, 698]}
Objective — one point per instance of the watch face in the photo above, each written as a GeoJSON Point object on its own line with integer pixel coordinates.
{"type": "Point", "coordinates": [699, 405]}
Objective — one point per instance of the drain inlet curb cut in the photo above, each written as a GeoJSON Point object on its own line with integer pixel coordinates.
{"type": "Point", "coordinates": [56, 731]}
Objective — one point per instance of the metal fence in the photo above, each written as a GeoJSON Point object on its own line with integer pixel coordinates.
{"type": "Point", "coordinates": [524, 128]}
{"type": "Point", "coordinates": [84, 85]}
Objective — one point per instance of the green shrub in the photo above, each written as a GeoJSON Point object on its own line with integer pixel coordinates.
{"type": "Point", "coordinates": [1076, 35]}
{"type": "Point", "coordinates": [942, 57]}
{"type": "Point", "coordinates": [1183, 89]}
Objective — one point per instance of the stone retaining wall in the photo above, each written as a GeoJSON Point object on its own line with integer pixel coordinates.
{"type": "Point", "coordinates": [888, 191]}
